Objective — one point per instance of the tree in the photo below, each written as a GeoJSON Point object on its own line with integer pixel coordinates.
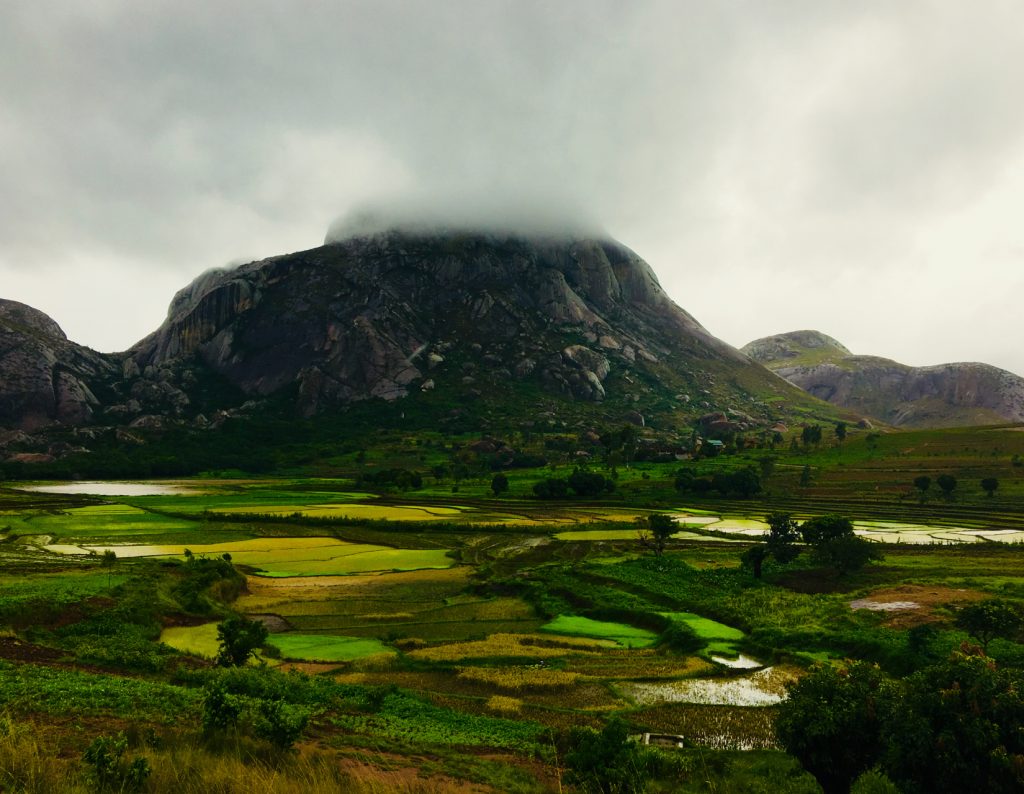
{"type": "Point", "coordinates": [947, 482]}
{"type": "Point", "coordinates": [606, 762]}
{"type": "Point", "coordinates": [754, 558]}
{"type": "Point", "coordinates": [833, 543]}
{"type": "Point", "coordinates": [805, 476]}
{"type": "Point", "coordinates": [108, 561]}
{"type": "Point", "coordinates": [959, 726]}
{"type": "Point", "coordinates": [780, 543]}
{"type": "Point", "coordinates": [551, 488]}
{"type": "Point", "coordinates": [767, 464]}
{"type": "Point", "coordinates": [655, 531]}
{"type": "Point", "coordinates": [831, 721]}
{"type": "Point", "coordinates": [923, 483]}
{"type": "Point", "coordinates": [783, 535]}
{"type": "Point", "coordinates": [991, 618]}
{"type": "Point", "coordinates": [840, 432]}
{"type": "Point", "coordinates": [811, 434]}
{"type": "Point", "coordinates": [684, 480]}
{"type": "Point", "coordinates": [989, 485]}
{"type": "Point", "coordinates": [589, 484]}
{"type": "Point", "coordinates": [499, 484]}
{"type": "Point", "coordinates": [239, 638]}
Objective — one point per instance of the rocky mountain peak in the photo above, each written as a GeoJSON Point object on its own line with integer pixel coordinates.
{"type": "Point", "coordinates": [44, 378]}
{"type": "Point", "coordinates": [18, 318]}
{"type": "Point", "coordinates": [365, 316]}
{"type": "Point", "coordinates": [794, 345]}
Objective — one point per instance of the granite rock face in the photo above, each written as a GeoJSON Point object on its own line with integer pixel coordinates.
{"type": "Point", "coordinates": [371, 316]}
{"type": "Point", "coordinates": [946, 395]}
{"type": "Point", "coordinates": [44, 378]}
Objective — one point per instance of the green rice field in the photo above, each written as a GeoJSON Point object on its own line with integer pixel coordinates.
{"type": "Point", "coordinates": [626, 636]}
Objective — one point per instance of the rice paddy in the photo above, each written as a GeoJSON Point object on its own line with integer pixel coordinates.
{"type": "Point", "coordinates": [326, 648]}
{"type": "Point", "coordinates": [765, 687]}
{"type": "Point", "coordinates": [720, 639]}
{"type": "Point", "coordinates": [508, 646]}
{"type": "Point", "coordinates": [619, 633]}
{"type": "Point", "coordinates": [194, 640]}
{"type": "Point", "coordinates": [284, 557]}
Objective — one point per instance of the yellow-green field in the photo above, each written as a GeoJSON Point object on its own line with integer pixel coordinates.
{"type": "Point", "coordinates": [304, 556]}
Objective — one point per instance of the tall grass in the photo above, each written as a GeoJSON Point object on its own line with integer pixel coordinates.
{"type": "Point", "coordinates": [30, 765]}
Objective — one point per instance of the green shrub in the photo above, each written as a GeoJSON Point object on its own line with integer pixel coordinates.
{"type": "Point", "coordinates": [221, 709]}
{"type": "Point", "coordinates": [109, 770]}
{"type": "Point", "coordinates": [606, 761]}
{"type": "Point", "coordinates": [280, 724]}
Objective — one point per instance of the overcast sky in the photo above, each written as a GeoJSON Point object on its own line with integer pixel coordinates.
{"type": "Point", "coordinates": [854, 167]}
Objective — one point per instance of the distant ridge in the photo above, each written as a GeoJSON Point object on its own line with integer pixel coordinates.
{"type": "Point", "coordinates": [946, 395]}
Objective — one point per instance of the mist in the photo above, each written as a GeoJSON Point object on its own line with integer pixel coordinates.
{"type": "Point", "coordinates": [436, 212]}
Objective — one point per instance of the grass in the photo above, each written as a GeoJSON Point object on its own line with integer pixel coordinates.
{"type": "Point", "coordinates": [326, 648]}
{"type": "Point", "coordinates": [194, 640]}
{"type": "Point", "coordinates": [483, 671]}
{"type": "Point", "coordinates": [720, 639]}
{"type": "Point", "coordinates": [620, 633]}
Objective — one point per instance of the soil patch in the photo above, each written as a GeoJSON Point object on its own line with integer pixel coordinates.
{"type": "Point", "coordinates": [18, 651]}
{"type": "Point", "coordinates": [925, 599]}
{"type": "Point", "coordinates": [274, 623]}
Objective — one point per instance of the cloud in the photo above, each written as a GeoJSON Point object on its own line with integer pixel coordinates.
{"type": "Point", "coordinates": [780, 164]}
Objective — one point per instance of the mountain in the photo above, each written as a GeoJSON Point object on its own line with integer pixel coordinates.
{"type": "Point", "coordinates": [44, 378]}
{"type": "Point", "coordinates": [946, 395]}
{"type": "Point", "coordinates": [390, 314]}
{"type": "Point", "coordinates": [459, 331]}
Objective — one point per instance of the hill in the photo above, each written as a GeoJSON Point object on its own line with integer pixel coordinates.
{"type": "Point", "coordinates": [945, 395]}
{"type": "Point", "coordinates": [456, 332]}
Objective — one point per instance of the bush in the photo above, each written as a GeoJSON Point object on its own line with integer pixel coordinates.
{"type": "Point", "coordinates": [109, 770]}
{"type": "Point", "coordinates": [606, 762]}
{"type": "Point", "coordinates": [589, 484]}
{"type": "Point", "coordinates": [551, 488]}
{"type": "Point", "coordinates": [221, 709]}
{"type": "Point", "coordinates": [279, 723]}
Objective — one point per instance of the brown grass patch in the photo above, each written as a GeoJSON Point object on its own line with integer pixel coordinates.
{"type": "Point", "coordinates": [516, 678]}
{"type": "Point", "coordinates": [510, 645]}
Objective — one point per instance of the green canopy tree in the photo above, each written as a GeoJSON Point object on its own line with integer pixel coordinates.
{"type": "Point", "coordinates": [499, 484]}
{"type": "Point", "coordinates": [989, 619]}
{"type": "Point", "coordinates": [780, 543]}
{"type": "Point", "coordinates": [239, 638]}
{"type": "Point", "coordinates": [831, 721]}
{"type": "Point", "coordinates": [833, 543]}
{"type": "Point", "coordinates": [989, 485]}
{"type": "Point", "coordinates": [655, 531]}
{"type": "Point", "coordinates": [958, 727]}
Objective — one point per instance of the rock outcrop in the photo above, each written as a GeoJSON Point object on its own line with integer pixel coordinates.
{"type": "Point", "coordinates": [44, 378]}
{"type": "Point", "coordinates": [371, 316]}
{"type": "Point", "coordinates": [474, 324]}
{"type": "Point", "coordinates": [946, 395]}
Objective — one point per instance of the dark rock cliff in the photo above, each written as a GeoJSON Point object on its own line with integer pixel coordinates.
{"type": "Point", "coordinates": [378, 316]}
{"type": "Point", "coordinates": [44, 378]}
